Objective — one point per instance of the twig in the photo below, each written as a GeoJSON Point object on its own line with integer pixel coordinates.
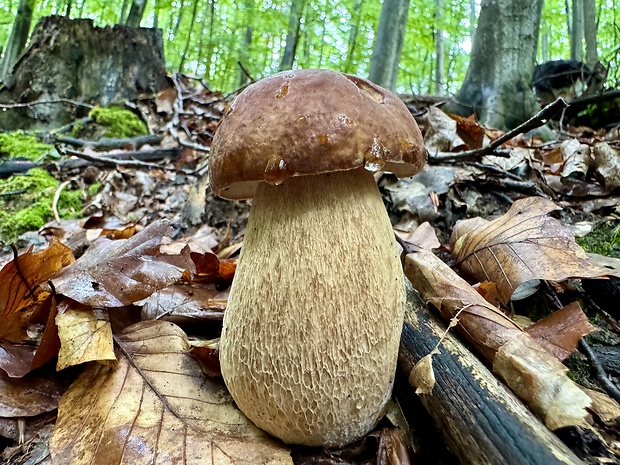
{"type": "Point", "coordinates": [599, 371]}
{"type": "Point", "coordinates": [195, 146]}
{"type": "Point", "coordinates": [56, 198]}
{"type": "Point", "coordinates": [109, 143]}
{"type": "Point", "coordinates": [534, 122]}
{"type": "Point", "coordinates": [246, 72]}
{"type": "Point", "coordinates": [48, 102]}
{"type": "Point", "coordinates": [115, 163]}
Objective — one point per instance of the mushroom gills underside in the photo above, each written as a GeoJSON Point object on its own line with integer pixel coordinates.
{"type": "Point", "coordinates": [312, 328]}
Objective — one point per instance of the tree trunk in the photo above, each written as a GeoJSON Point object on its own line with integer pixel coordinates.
{"type": "Point", "coordinates": [576, 37]}
{"type": "Point", "coordinates": [18, 38]}
{"type": "Point", "coordinates": [246, 44]}
{"type": "Point", "coordinates": [590, 29]}
{"type": "Point", "coordinates": [121, 15]}
{"type": "Point", "coordinates": [189, 36]}
{"type": "Point", "coordinates": [292, 35]}
{"type": "Point", "coordinates": [389, 43]}
{"type": "Point", "coordinates": [497, 86]}
{"type": "Point", "coordinates": [355, 24]}
{"type": "Point", "coordinates": [472, 19]}
{"type": "Point", "coordinates": [134, 18]}
{"type": "Point", "coordinates": [439, 50]}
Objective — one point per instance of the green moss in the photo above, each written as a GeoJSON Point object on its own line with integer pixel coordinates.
{"type": "Point", "coordinates": [20, 144]}
{"type": "Point", "coordinates": [119, 123]}
{"type": "Point", "coordinates": [93, 188]}
{"type": "Point", "coordinates": [604, 239]}
{"type": "Point", "coordinates": [26, 203]}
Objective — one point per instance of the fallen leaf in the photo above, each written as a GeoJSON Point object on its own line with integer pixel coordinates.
{"type": "Point", "coordinates": [561, 331]}
{"type": "Point", "coordinates": [206, 353]}
{"type": "Point", "coordinates": [122, 272]}
{"type": "Point", "coordinates": [523, 245]}
{"type": "Point", "coordinates": [468, 129]}
{"type": "Point", "coordinates": [155, 405]}
{"type": "Point", "coordinates": [27, 396]}
{"type": "Point", "coordinates": [440, 133]}
{"type": "Point", "coordinates": [21, 300]}
{"type": "Point", "coordinates": [16, 359]}
{"type": "Point", "coordinates": [576, 157]}
{"type": "Point", "coordinates": [181, 304]}
{"type": "Point", "coordinates": [85, 335]}
{"type": "Point", "coordinates": [424, 237]}
{"type": "Point", "coordinates": [606, 165]}
{"type": "Point", "coordinates": [606, 408]}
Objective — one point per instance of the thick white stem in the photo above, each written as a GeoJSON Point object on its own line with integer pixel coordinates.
{"type": "Point", "coordinates": [313, 323]}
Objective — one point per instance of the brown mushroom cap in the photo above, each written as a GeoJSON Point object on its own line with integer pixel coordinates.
{"type": "Point", "coordinates": [307, 122]}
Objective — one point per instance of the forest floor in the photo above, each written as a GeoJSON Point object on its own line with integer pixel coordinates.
{"type": "Point", "coordinates": [139, 181]}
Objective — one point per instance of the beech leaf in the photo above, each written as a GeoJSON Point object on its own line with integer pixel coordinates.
{"type": "Point", "coordinates": [155, 406]}
{"type": "Point", "coordinates": [122, 272]}
{"type": "Point", "coordinates": [523, 245]}
{"type": "Point", "coordinates": [20, 301]}
{"type": "Point", "coordinates": [85, 335]}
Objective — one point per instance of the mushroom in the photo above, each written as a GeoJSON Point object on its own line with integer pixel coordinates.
{"type": "Point", "coordinates": [311, 333]}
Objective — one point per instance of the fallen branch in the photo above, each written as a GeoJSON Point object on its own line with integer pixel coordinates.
{"type": "Point", "coordinates": [534, 122]}
{"type": "Point", "coordinates": [109, 144]}
{"type": "Point", "coordinates": [479, 419]}
{"type": "Point", "coordinates": [115, 162]}
{"type": "Point", "coordinates": [599, 371]}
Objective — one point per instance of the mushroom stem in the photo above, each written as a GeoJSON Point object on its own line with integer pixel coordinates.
{"type": "Point", "coordinates": [312, 329]}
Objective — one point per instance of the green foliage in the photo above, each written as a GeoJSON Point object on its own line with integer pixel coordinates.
{"type": "Point", "coordinates": [20, 144]}
{"type": "Point", "coordinates": [118, 123]}
{"type": "Point", "coordinates": [26, 203]}
{"type": "Point", "coordinates": [211, 43]}
{"type": "Point", "coordinates": [604, 239]}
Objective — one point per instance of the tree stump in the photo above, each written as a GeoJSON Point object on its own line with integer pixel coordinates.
{"type": "Point", "coordinates": [70, 61]}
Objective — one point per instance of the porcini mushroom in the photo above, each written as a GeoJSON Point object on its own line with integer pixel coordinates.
{"type": "Point", "coordinates": [312, 328]}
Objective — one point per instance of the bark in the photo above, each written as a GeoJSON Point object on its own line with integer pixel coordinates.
{"type": "Point", "coordinates": [480, 420]}
{"type": "Point", "coordinates": [357, 18]}
{"type": "Point", "coordinates": [439, 51]}
{"type": "Point", "coordinates": [18, 38]}
{"type": "Point", "coordinates": [576, 37]}
{"type": "Point", "coordinates": [121, 16]}
{"type": "Point", "coordinates": [590, 30]}
{"type": "Point", "coordinates": [389, 43]}
{"type": "Point", "coordinates": [292, 34]}
{"type": "Point", "coordinates": [497, 86]}
{"type": "Point", "coordinates": [472, 19]}
{"type": "Point", "coordinates": [134, 18]}
{"type": "Point", "coordinates": [189, 36]}
{"type": "Point", "coordinates": [72, 59]}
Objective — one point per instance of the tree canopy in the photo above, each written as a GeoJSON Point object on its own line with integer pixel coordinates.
{"type": "Point", "coordinates": [208, 38]}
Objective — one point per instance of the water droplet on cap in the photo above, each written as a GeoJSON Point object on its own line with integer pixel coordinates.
{"type": "Point", "coordinates": [282, 91]}
{"type": "Point", "coordinates": [375, 157]}
{"type": "Point", "coordinates": [276, 172]}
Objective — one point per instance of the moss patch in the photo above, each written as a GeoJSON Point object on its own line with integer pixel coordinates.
{"type": "Point", "coordinates": [604, 239]}
{"type": "Point", "coordinates": [118, 123]}
{"type": "Point", "coordinates": [26, 203]}
{"type": "Point", "coordinates": [20, 144]}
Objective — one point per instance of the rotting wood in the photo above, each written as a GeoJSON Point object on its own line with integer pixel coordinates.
{"type": "Point", "coordinates": [479, 419]}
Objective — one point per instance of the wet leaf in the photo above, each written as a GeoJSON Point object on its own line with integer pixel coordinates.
{"type": "Point", "coordinates": [16, 359]}
{"type": "Point", "coordinates": [440, 133]}
{"type": "Point", "coordinates": [523, 245]}
{"type": "Point", "coordinates": [85, 335]}
{"type": "Point", "coordinates": [122, 272]}
{"type": "Point", "coordinates": [185, 304]}
{"type": "Point", "coordinates": [21, 301]}
{"type": "Point", "coordinates": [155, 405]}
{"type": "Point", "coordinates": [561, 331]}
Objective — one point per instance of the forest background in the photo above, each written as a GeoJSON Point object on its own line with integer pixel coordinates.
{"type": "Point", "coordinates": [219, 39]}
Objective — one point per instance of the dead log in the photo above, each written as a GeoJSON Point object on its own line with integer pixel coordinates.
{"type": "Point", "coordinates": [480, 420]}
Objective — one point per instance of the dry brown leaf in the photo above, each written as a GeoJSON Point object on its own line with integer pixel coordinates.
{"type": "Point", "coordinates": [424, 237]}
{"type": "Point", "coordinates": [16, 359]}
{"type": "Point", "coordinates": [155, 406]}
{"type": "Point", "coordinates": [561, 331]}
{"type": "Point", "coordinates": [85, 335]}
{"type": "Point", "coordinates": [27, 396]}
{"type": "Point", "coordinates": [532, 373]}
{"type": "Point", "coordinates": [468, 129]}
{"type": "Point", "coordinates": [523, 245]}
{"type": "Point", "coordinates": [440, 133]}
{"type": "Point", "coordinates": [206, 353]}
{"type": "Point", "coordinates": [22, 303]}
{"type": "Point", "coordinates": [122, 272]}
{"type": "Point", "coordinates": [576, 157]}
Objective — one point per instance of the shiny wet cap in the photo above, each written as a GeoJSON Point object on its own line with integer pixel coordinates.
{"type": "Point", "coordinates": [309, 122]}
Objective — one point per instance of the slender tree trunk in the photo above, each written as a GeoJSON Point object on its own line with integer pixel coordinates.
{"type": "Point", "coordinates": [189, 36]}
{"type": "Point", "coordinates": [439, 50]}
{"type": "Point", "coordinates": [177, 25]}
{"type": "Point", "coordinates": [19, 36]}
{"type": "Point", "coordinates": [68, 8]}
{"type": "Point", "coordinates": [356, 17]}
{"type": "Point", "coordinates": [576, 38]}
{"type": "Point", "coordinates": [497, 86]}
{"type": "Point", "coordinates": [134, 18]}
{"type": "Point", "coordinates": [156, 10]}
{"type": "Point", "coordinates": [590, 30]}
{"type": "Point", "coordinates": [246, 44]}
{"type": "Point", "coordinates": [121, 16]}
{"type": "Point", "coordinates": [569, 21]}
{"type": "Point", "coordinates": [292, 34]}
{"type": "Point", "coordinates": [321, 48]}
{"type": "Point", "coordinates": [389, 43]}
{"type": "Point", "coordinates": [81, 10]}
